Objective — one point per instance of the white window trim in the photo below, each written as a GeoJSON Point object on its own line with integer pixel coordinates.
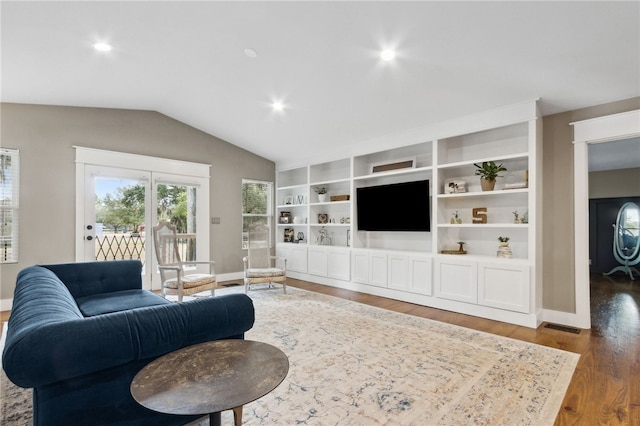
{"type": "Point", "coordinates": [270, 209]}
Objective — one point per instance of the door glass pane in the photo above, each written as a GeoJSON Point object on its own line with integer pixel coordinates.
{"type": "Point", "coordinates": [120, 212]}
{"type": "Point", "coordinates": [177, 205]}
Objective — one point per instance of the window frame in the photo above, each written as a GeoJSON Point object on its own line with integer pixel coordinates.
{"type": "Point", "coordinates": [13, 208]}
{"type": "Point", "coordinates": [268, 215]}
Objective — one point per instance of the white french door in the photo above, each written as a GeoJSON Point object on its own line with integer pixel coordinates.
{"type": "Point", "coordinates": [116, 207]}
{"type": "Point", "coordinates": [117, 213]}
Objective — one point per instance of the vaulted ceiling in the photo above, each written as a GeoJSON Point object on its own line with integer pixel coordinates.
{"type": "Point", "coordinates": [219, 66]}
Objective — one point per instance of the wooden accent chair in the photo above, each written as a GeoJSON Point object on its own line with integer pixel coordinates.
{"type": "Point", "coordinates": [259, 265]}
{"type": "Point", "coordinates": [173, 273]}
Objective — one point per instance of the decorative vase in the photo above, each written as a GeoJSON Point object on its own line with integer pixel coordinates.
{"type": "Point", "coordinates": [504, 250]}
{"type": "Point", "coordinates": [322, 198]}
{"type": "Point", "coordinates": [487, 185]}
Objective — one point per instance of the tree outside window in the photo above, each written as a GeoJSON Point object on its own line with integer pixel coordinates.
{"type": "Point", "coordinates": [256, 206]}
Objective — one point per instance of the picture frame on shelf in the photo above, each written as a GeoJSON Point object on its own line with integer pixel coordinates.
{"type": "Point", "coordinates": [323, 218]}
{"type": "Point", "coordinates": [288, 200]}
{"type": "Point", "coordinates": [455, 186]}
{"type": "Point", "coordinates": [289, 235]}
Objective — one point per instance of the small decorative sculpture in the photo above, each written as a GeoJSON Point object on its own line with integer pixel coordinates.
{"type": "Point", "coordinates": [455, 218]}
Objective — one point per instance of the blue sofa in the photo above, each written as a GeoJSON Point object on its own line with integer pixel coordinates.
{"type": "Point", "coordinates": [79, 332]}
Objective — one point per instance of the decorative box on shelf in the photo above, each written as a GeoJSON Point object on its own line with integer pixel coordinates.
{"type": "Point", "coordinates": [340, 197]}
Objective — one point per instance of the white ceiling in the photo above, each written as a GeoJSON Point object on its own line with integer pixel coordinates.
{"type": "Point", "coordinates": [321, 59]}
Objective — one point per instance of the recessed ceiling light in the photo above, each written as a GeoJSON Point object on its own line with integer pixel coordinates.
{"type": "Point", "coordinates": [278, 106]}
{"type": "Point", "coordinates": [387, 55]}
{"type": "Point", "coordinates": [250, 53]}
{"type": "Point", "coordinates": [102, 47]}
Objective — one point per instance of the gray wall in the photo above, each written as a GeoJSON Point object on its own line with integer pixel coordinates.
{"type": "Point", "coordinates": [45, 136]}
{"type": "Point", "coordinates": [615, 183]}
{"type": "Point", "coordinates": [558, 215]}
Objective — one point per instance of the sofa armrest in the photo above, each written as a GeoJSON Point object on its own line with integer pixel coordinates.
{"type": "Point", "coordinates": [90, 278]}
{"type": "Point", "coordinates": [62, 350]}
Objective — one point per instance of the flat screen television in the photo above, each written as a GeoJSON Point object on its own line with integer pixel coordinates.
{"type": "Point", "coordinates": [395, 207]}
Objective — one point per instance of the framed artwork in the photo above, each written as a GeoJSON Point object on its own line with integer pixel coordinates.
{"type": "Point", "coordinates": [288, 199]}
{"type": "Point", "coordinates": [323, 218]}
{"type": "Point", "coordinates": [454, 186]}
{"type": "Point", "coordinates": [289, 235]}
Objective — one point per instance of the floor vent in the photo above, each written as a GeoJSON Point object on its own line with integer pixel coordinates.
{"type": "Point", "coordinates": [563, 328]}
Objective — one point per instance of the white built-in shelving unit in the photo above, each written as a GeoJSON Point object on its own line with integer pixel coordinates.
{"type": "Point", "coordinates": [410, 265]}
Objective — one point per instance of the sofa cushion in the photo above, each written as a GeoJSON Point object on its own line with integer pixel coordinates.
{"type": "Point", "coordinates": [89, 278]}
{"type": "Point", "coordinates": [117, 301]}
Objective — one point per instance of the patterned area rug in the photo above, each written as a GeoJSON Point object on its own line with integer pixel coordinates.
{"type": "Point", "coordinates": [352, 364]}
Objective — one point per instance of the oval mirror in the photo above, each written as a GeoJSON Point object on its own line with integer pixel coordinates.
{"type": "Point", "coordinates": [626, 239]}
{"type": "Point", "coordinates": [627, 231]}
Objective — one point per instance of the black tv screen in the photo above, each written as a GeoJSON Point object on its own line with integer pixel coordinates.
{"type": "Point", "coordinates": [396, 207]}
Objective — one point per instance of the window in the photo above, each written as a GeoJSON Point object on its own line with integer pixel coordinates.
{"type": "Point", "coordinates": [256, 206]}
{"type": "Point", "coordinates": [9, 205]}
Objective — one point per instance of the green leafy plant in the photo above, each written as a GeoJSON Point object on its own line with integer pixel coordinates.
{"type": "Point", "coordinates": [489, 170]}
{"type": "Point", "coordinates": [503, 239]}
{"type": "Point", "coordinates": [320, 189]}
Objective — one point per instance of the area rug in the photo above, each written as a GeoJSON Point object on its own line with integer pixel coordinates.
{"type": "Point", "coordinates": [353, 364]}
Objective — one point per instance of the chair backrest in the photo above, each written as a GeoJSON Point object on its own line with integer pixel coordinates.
{"type": "Point", "coordinates": [165, 243]}
{"type": "Point", "coordinates": [259, 252]}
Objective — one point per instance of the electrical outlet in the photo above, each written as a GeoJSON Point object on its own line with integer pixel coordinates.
{"type": "Point", "coordinates": [215, 221]}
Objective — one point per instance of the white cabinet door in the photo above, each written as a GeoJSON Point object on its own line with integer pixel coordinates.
{"type": "Point", "coordinates": [378, 269]}
{"type": "Point", "coordinates": [456, 279]}
{"type": "Point", "coordinates": [317, 261]}
{"type": "Point", "coordinates": [338, 264]}
{"type": "Point", "coordinates": [297, 260]}
{"type": "Point", "coordinates": [398, 271]}
{"type": "Point", "coordinates": [360, 266]}
{"type": "Point", "coordinates": [504, 286]}
{"type": "Point", "coordinates": [420, 275]}
{"type": "Point", "coordinates": [284, 250]}
{"type": "Point", "coordinates": [410, 272]}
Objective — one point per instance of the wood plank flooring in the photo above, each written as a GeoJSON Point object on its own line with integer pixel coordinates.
{"type": "Point", "coordinates": [605, 389]}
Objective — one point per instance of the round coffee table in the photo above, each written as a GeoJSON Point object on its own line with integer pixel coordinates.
{"type": "Point", "coordinates": [210, 377]}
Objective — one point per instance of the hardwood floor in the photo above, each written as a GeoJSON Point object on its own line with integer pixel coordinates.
{"type": "Point", "coordinates": [605, 389]}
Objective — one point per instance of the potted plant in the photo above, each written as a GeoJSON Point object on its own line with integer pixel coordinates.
{"type": "Point", "coordinates": [322, 193]}
{"type": "Point", "coordinates": [488, 173]}
{"type": "Point", "coordinates": [504, 241]}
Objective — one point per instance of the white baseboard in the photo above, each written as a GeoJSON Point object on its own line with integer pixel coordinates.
{"type": "Point", "coordinates": [563, 318]}
{"type": "Point", "coordinates": [6, 304]}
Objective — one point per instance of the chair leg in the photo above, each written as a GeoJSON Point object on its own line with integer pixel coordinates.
{"type": "Point", "coordinates": [284, 286]}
